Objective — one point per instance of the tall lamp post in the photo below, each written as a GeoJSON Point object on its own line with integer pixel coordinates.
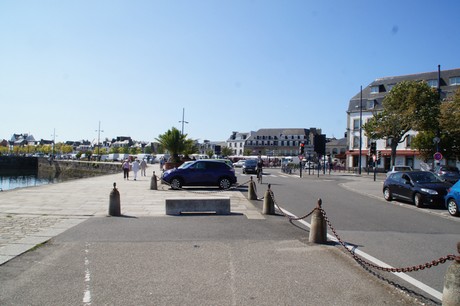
{"type": "Point", "coordinates": [183, 114]}
{"type": "Point", "coordinates": [360, 128]}
{"type": "Point", "coordinates": [54, 141]}
{"type": "Point", "coordinates": [98, 139]}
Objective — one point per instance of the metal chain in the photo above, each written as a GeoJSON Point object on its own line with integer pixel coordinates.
{"type": "Point", "coordinates": [359, 259]}
{"type": "Point", "coordinates": [285, 214]}
{"type": "Point", "coordinates": [427, 265]}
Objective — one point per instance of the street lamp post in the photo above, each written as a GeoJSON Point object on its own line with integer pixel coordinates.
{"type": "Point", "coordinates": [183, 113]}
{"type": "Point", "coordinates": [54, 141]}
{"type": "Point", "coordinates": [360, 128]}
{"type": "Point", "coordinates": [98, 139]}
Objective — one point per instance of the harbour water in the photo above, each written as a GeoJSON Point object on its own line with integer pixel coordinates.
{"type": "Point", "coordinates": [9, 182]}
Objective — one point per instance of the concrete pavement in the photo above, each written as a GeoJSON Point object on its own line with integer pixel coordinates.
{"type": "Point", "coordinates": [236, 260]}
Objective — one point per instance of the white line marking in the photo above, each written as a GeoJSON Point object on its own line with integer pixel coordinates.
{"type": "Point", "coordinates": [87, 292]}
{"type": "Point", "coordinates": [431, 291]}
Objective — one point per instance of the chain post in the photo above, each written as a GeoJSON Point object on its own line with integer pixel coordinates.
{"type": "Point", "coordinates": [269, 207]}
{"type": "Point", "coordinates": [318, 229]}
{"type": "Point", "coordinates": [251, 190]}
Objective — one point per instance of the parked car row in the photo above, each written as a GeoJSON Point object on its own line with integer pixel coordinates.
{"type": "Point", "coordinates": [422, 188]}
{"type": "Point", "coordinates": [448, 173]}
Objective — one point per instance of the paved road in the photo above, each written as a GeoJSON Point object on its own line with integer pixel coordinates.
{"type": "Point", "coordinates": [149, 258]}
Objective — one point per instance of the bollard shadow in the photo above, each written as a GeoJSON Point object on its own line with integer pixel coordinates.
{"type": "Point", "coordinates": [194, 214]}
{"type": "Point", "coordinates": [124, 216]}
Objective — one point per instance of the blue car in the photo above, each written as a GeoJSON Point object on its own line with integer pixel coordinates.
{"type": "Point", "coordinates": [201, 173]}
{"type": "Point", "coordinates": [452, 199]}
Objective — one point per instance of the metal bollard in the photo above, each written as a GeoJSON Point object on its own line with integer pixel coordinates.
{"type": "Point", "coordinates": [318, 229]}
{"type": "Point", "coordinates": [153, 182]}
{"type": "Point", "coordinates": [269, 205]}
{"type": "Point", "coordinates": [451, 291]}
{"type": "Point", "coordinates": [251, 191]}
{"type": "Point", "coordinates": [114, 202]}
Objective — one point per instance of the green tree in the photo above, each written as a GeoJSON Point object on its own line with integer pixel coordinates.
{"type": "Point", "coordinates": [148, 150]}
{"type": "Point", "coordinates": [449, 127]}
{"type": "Point", "coordinates": [210, 153]}
{"type": "Point", "coordinates": [190, 147]}
{"type": "Point", "coordinates": [4, 150]}
{"type": "Point", "coordinates": [448, 132]}
{"type": "Point", "coordinates": [226, 151]}
{"type": "Point", "coordinates": [114, 150]}
{"type": "Point", "coordinates": [134, 150]}
{"type": "Point", "coordinates": [174, 142]}
{"type": "Point", "coordinates": [410, 105]}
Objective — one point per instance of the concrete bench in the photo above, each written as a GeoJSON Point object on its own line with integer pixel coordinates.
{"type": "Point", "coordinates": [176, 206]}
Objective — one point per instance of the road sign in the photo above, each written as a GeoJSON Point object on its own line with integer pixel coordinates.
{"type": "Point", "coordinates": [437, 156]}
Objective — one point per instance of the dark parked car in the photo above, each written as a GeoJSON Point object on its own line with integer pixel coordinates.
{"type": "Point", "coordinates": [448, 173]}
{"type": "Point", "coordinates": [453, 199]}
{"type": "Point", "coordinates": [419, 187]}
{"type": "Point", "coordinates": [250, 166]}
{"type": "Point", "coordinates": [201, 173]}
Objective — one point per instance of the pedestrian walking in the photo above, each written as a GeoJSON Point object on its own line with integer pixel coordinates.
{"type": "Point", "coordinates": [136, 166]}
{"type": "Point", "coordinates": [143, 167]}
{"type": "Point", "coordinates": [125, 167]}
{"type": "Point", "coordinates": [162, 162]}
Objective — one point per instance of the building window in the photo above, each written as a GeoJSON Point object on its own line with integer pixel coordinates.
{"type": "Point", "coordinates": [432, 83]}
{"type": "Point", "coordinates": [355, 142]}
{"type": "Point", "coordinates": [408, 141]}
{"type": "Point", "coordinates": [370, 104]}
{"type": "Point", "coordinates": [374, 89]}
{"type": "Point", "coordinates": [390, 86]}
{"type": "Point", "coordinates": [454, 81]}
{"type": "Point", "coordinates": [356, 124]}
{"type": "Point", "coordinates": [388, 142]}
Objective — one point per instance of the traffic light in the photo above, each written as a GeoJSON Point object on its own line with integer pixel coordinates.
{"type": "Point", "coordinates": [379, 155]}
{"type": "Point", "coordinates": [320, 144]}
{"type": "Point", "coordinates": [302, 148]}
{"type": "Point", "coordinates": [373, 150]}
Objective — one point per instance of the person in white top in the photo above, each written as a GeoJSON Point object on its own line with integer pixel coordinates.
{"type": "Point", "coordinates": [136, 166]}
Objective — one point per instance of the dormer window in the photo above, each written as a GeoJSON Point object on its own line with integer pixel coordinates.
{"type": "Point", "coordinates": [374, 89]}
{"type": "Point", "coordinates": [370, 104]}
{"type": "Point", "coordinates": [390, 86]}
{"type": "Point", "coordinates": [432, 83]}
{"type": "Point", "coordinates": [454, 81]}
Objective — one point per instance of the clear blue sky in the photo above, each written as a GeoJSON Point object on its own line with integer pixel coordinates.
{"type": "Point", "coordinates": [232, 65]}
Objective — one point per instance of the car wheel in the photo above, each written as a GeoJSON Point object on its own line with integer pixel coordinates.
{"type": "Point", "coordinates": [176, 183]}
{"type": "Point", "coordinates": [452, 207]}
{"type": "Point", "coordinates": [387, 194]}
{"type": "Point", "coordinates": [224, 183]}
{"type": "Point", "coordinates": [418, 200]}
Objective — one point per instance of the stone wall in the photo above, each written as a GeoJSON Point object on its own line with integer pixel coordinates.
{"type": "Point", "coordinates": [75, 169]}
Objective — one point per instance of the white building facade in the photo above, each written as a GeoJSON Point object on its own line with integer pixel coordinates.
{"type": "Point", "coordinates": [368, 101]}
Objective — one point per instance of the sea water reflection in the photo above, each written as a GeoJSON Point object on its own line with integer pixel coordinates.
{"type": "Point", "coordinates": [9, 181]}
